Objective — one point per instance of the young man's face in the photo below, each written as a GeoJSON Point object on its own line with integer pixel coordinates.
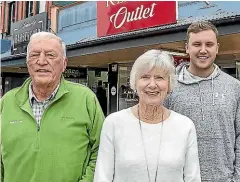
{"type": "Point", "coordinates": [202, 48]}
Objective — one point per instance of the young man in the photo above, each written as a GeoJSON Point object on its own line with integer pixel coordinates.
{"type": "Point", "coordinates": [50, 127]}
{"type": "Point", "coordinates": [211, 98]}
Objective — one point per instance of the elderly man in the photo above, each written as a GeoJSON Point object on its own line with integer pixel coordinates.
{"type": "Point", "coordinates": [50, 127]}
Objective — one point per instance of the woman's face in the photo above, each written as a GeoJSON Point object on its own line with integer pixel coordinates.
{"type": "Point", "coordinates": [152, 86]}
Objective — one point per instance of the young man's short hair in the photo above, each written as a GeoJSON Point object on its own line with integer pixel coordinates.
{"type": "Point", "coordinates": [197, 27]}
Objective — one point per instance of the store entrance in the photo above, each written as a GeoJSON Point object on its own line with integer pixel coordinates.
{"type": "Point", "coordinates": [98, 83]}
{"type": "Point", "coordinates": [94, 78]}
{"type": "Point", "coordinates": [127, 97]}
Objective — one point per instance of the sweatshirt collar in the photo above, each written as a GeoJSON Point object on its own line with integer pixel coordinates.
{"type": "Point", "coordinates": [184, 76]}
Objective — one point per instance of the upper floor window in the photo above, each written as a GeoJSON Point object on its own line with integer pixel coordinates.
{"type": "Point", "coordinates": [80, 15]}
{"type": "Point", "coordinates": [29, 9]}
{"type": "Point", "coordinates": [12, 12]}
{"type": "Point", "coordinates": [11, 16]}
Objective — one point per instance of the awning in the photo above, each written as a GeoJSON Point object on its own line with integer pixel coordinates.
{"type": "Point", "coordinates": [125, 46]}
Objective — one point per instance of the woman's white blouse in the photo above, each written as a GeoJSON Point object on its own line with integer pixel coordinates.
{"type": "Point", "coordinates": [121, 155]}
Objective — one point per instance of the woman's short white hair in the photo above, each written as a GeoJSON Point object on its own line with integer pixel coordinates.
{"type": "Point", "coordinates": [151, 59]}
{"type": "Point", "coordinates": [45, 35]}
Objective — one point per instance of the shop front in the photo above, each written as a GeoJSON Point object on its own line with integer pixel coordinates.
{"type": "Point", "coordinates": [118, 43]}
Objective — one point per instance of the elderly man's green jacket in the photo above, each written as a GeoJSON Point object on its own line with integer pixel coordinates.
{"type": "Point", "coordinates": [65, 147]}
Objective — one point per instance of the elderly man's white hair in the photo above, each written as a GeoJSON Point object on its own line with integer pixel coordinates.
{"type": "Point", "coordinates": [153, 59]}
{"type": "Point", "coordinates": [45, 35]}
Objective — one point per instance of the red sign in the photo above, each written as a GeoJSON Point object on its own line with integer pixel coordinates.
{"type": "Point", "coordinates": [114, 17]}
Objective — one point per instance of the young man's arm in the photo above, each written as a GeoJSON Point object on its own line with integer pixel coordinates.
{"type": "Point", "coordinates": [97, 117]}
{"type": "Point", "coordinates": [237, 144]}
{"type": "Point", "coordinates": [192, 167]}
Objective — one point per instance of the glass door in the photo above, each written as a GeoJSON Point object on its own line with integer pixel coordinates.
{"type": "Point", "coordinates": [127, 97]}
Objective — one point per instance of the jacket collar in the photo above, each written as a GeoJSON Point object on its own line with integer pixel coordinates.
{"type": "Point", "coordinates": [22, 95]}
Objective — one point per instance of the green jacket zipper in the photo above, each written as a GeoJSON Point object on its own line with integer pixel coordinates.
{"type": "Point", "coordinates": [37, 139]}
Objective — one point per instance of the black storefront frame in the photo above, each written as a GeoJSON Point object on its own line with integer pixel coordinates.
{"type": "Point", "coordinates": [11, 75]}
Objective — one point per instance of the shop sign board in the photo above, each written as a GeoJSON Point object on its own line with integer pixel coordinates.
{"type": "Point", "coordinates": [71, 72]}
{"type": "Point", "coordinates": [23, 29]}
{"type": "Point", "coordinates": [115, 17]}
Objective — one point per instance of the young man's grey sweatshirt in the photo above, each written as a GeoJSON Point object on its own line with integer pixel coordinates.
{"type": "Point", "coordinates": [213, 103]}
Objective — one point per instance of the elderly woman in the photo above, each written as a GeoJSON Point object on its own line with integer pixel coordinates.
{"type": "Point", "coordinates": [147, 142]}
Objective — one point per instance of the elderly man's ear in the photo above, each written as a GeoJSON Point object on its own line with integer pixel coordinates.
{"type": "Point", "coordinates": [65, 63]}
